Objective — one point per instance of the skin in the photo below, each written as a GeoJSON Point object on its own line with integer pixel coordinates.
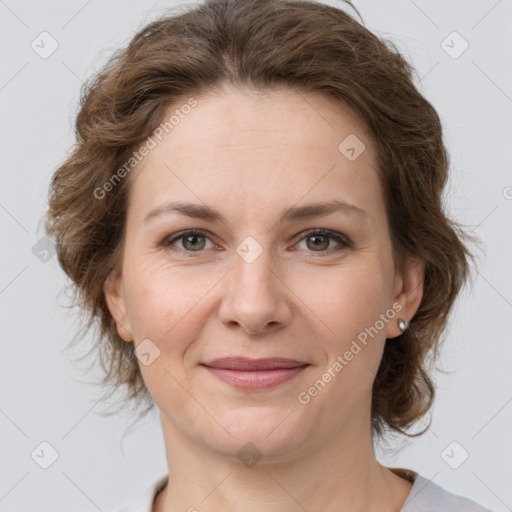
{"type": "Point", "coordinates": [250, 156]}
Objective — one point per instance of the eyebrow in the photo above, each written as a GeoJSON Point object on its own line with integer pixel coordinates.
{"type": "Point", "coordinates": [291, 214]}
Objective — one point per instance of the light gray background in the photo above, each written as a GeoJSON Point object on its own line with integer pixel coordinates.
{"type": "Point", "coordinates": [44, 397]}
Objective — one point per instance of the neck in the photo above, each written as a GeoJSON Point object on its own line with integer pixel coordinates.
{"type": "Point", "coordinates": [342, 475]}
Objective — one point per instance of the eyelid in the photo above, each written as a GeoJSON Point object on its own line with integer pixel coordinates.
{"type": "Point", "coordinates": [330, 233]}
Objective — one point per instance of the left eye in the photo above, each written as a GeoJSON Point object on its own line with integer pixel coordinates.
{"type": "Point", "coordinates": [317, 240]}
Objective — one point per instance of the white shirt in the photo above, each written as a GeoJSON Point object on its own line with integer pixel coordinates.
{"type": "Point", "coordinates": [425, 496]}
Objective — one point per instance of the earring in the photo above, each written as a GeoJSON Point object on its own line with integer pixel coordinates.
{"type": "Point", "coordinates": [402, 324]}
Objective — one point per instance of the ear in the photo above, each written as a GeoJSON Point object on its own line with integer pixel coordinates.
{"type": "Point", "coordinates": [408, 292]}
{"type": "Point", "coordinates": [115, 297]}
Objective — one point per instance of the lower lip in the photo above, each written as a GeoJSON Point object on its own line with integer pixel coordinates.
{"type": "Point", "coordinates": [257, 379]}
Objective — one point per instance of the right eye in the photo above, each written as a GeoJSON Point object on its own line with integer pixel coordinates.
{"type": "Point", "coordinates": [191, 240]}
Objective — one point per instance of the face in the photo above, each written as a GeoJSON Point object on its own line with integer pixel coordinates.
{"type": "Point", "coordinates": [244, 267]}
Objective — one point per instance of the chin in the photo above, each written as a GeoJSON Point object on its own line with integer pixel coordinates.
{"type": "Point", "coordinates": [272, 435]}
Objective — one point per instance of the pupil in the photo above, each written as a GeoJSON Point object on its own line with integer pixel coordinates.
{"type": "Point", "coordinates": [192, 239]}
{"type": "Point", "coordinates": [318, 241]}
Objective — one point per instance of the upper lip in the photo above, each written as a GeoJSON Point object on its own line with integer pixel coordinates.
{"type": "Point", "coordinates": [242, 363]}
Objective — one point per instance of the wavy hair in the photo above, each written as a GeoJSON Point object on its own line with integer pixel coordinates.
{"type": "Point", "coordinates": [306, 46]}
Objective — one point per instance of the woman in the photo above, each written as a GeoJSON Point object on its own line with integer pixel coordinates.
{"type": "Point", "coordinates": [253, 214]}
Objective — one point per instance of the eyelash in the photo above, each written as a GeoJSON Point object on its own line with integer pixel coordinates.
{"type": "Point", "coordinates": [342, 240]}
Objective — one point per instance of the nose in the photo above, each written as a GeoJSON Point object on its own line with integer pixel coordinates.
{"type": "Point", "coordinates": [256, 297]}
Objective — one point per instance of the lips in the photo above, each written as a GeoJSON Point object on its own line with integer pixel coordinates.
{"type": "Point", "coordinates": [244, 364]}
{"type": "Point", "coordinates": [255, 374]}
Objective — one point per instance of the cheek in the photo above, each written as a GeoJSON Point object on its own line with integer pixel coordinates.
{"type": "Point", "coordinates": [167, 304]}
{"type": "Point", "coordinates": [149, 305]}
{"type": "Point", "coordinates": [161, 309]}
{"type": "Point", "coordinates": [350, 298]}
{"type": "Point", "coordinates": [352, 304]}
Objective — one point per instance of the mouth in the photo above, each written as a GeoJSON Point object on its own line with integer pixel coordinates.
{"type": "Point", "coordinates": [255, 374]}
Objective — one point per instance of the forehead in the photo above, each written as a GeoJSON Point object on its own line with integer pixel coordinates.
{"type": "Point", "coordinates": [273, 146]}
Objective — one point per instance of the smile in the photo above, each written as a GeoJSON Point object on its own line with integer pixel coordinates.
{"type": "Point", "coordinates": [255, 374]}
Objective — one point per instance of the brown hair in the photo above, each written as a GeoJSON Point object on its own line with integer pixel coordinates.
{"type": "Point", "coordinates": [264, 44]}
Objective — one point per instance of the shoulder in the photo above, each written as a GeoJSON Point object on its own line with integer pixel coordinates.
{"type": "Point", "coordinates": [426, 496]}
{"type": "Point", "coordinates": [145, 501]}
